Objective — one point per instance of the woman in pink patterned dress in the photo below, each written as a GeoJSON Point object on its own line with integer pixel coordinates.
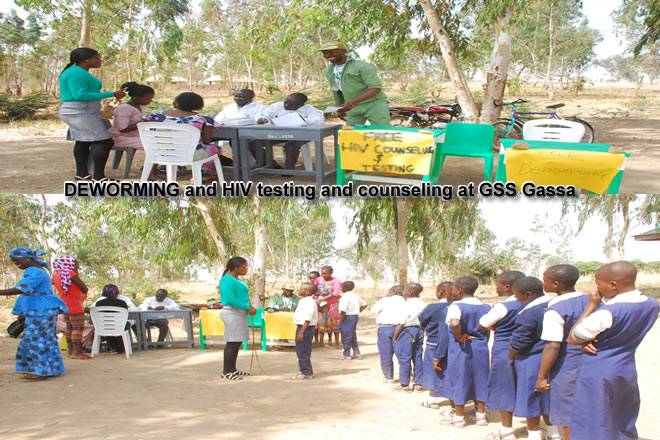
{"type": "Point", "coordinates": [126, 116]}
{"type": "Point", "coordinates": [329, 293]}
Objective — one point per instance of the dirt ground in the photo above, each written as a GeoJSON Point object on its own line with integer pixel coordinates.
{"type": "Point", "coordinates": [176, 393]}
{"type": "Point", "coordinates": [39, 160]}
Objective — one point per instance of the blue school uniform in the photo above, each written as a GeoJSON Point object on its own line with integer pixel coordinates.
{"type": "Point", "coordinates": [409, 346]}
{"type": "Point", "coordinates": [432, 320]}
{"type": "Point", "coordinates": [38, 352]}
{"type": "Point", "coordinates": [388, 309]}
{"type": "Point", "coordinates": [502, 377]}
{"type": "Point", "coordinates": [441, 386]}
{"type": "Point", "coordinates": [564, 371]}
{"type": "Point", "coordinates": [468, 370]}
{"type": "Point", "coordinates": [606, 402]}
{"type": "Point", "coordinates": [526, 341]}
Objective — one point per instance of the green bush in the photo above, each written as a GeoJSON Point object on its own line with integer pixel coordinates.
{"type": "Point", "coordinates": [514, 85]}
{"type": "Point", "coordinates": [16, 108]}
{"type": "Point", "coordinates": [588, 267]}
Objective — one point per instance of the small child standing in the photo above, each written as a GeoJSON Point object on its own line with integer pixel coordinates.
{"type": "Point", "coordinates": [502, 378]}
{"type": "Point", "coordinates": [526, 347]}
{"type": "Point", "coordinates": [606, 400]}
{"type": "Point", "coordinates": [409, 340]}
{"type": "Point", "coordinates": [559, 361]}
{"type": "Point", "coordinates": [432, 320]}
{"type": "Point", "coordinates": [468, 352]}
{"type": "Point", "coordinates": [388, 309]}
{"type": "Point", "coordinates": [305, 318]}
{"type": "Point", "coordinates": [350, 307]}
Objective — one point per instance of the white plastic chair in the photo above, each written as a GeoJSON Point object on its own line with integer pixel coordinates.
{"type": "Point", "coordinates": [307, 156]}
{"type": "Point", "coordinates": [559, 130]}
{"type": "Point", "coordinates": [173, 145]}
{"type": "Point", "coordinates": [110, 321]}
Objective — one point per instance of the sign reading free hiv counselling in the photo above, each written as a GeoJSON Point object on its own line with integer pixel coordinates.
{"type": "Point", "coordinates": [386, 151]}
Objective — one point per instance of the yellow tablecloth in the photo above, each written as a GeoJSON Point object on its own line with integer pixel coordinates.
{"type": "Point", "coordinates": [211, 323]}
{"type": "Point", "coordinates": [279, 325]}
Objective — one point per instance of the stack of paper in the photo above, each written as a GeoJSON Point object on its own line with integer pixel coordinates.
{"type": "Point", "coordinates": [290, 119]}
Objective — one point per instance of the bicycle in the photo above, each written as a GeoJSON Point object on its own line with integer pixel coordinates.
{"type": "Point", "coordinates": [431, 116]}
{"type": "Point", "coordinates": [511, 127]}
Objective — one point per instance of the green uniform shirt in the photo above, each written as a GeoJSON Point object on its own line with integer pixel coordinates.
{"type": "Point", "coordinates": [357, 78]}
{"type": "Point", "coordinates": [77, 84]}
{"type": "Point", "coordinates": [277, 301]}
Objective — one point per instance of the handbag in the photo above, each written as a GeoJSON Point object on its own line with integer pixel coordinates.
{"type": "Point", "coordinates": [16, 328]}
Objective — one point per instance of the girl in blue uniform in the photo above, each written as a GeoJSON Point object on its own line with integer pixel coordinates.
{"type": "Point", "coordinates": [468, 351]}
{"type": "Point", "coordinates": [606, 402]}
{"type": "Point", "coordinates": [432, 320]}
{"type": "Point", "coordinates": [502, 378]}
{"type": "Point", "coordinates": [559, 361]}
{"type": "Point", "coordinates": [526, 347]}
{"type": "Point", "coordinates": [38, 354]}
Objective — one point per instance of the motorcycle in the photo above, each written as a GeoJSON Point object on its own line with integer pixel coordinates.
{"type": "Point", "coordinates": [430, 117]}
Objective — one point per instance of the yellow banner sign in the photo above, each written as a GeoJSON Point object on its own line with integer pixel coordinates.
{"type": "Point", "coordinates": [588, 170]}
{"type": "Point", "coordinates": [386, 151]}
{"type": "Point", "coordinates": [279, 325]}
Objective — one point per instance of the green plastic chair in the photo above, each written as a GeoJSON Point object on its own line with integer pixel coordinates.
{"type": "Point", "coordinates": [343, 176]}
{"type": "Point", "coordinates": [466, 140]}
{"type": "Point", "coordinates": [258, 321]}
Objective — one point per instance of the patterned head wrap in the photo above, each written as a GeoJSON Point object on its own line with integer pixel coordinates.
{"type": "Point", "coordinates": [26, 252]}
{"type": "Point", "coordinates": [110, 291]}
{"type": "Point", "coordinates": [65, 265]}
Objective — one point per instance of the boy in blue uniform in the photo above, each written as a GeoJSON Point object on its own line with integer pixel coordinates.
{"type": "Point", "coordinates": [387, 309]}
{"type": "Point", "coordinates": [468, 351]}
{"type": "Point", "coordinates": [409, 340]}
{"type": "Point", "coordinates": [525, 349]}
{"type": "Point", "coordinates": [432, 320]}
{"type": "Point", "coordinates": [559, 361]}
{"type": "Point", "coordinates": [606, 402]}
{"type": "Point", "coordinates": [502, 378]}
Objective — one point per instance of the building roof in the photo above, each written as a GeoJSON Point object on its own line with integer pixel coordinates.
{"type": "Point", "coordinates": [652, 235]}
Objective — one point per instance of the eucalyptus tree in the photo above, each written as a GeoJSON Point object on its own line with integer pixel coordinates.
{"type": "Point", "coordinates": [424, 228]}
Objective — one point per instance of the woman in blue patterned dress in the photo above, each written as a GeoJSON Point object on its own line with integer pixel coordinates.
{"type": "Point", "coordinates": [38, 354]}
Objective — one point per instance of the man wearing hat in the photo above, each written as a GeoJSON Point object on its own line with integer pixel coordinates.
{"type": "Point", "coordinates": [356, 87]}
{"type": "Point", "coordinates": [285, 301]}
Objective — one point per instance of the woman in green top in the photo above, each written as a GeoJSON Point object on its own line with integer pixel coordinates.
{"type": "Point", "coordinates": [81, 96]}
{"type": "Point", "coordinates": [235, 297]}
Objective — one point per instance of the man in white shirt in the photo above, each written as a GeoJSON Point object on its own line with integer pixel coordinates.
{"type": "Point", "coordinates": [244, 107]}
{"type": "Point", "coordinates": [159, 302]}
{"type": "Point", "coordinates": [294, 104]}
{"type": "Point", "coordinates": [350, 306]}
{"type": "Point", "coordinates": [305, 318]}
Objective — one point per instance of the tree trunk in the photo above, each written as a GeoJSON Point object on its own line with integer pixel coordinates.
{"type": "Point", "coordinates": [203, 209]}
{"type": "Point", "coordinates": [260, 242]}
{"type": "Point", "coordinates": [496, 72]}
{"type": "Point", "coordinates": [85, 25]}
{"type": "Point", "coordinates": [463, 94]}
{"type": "Point", "coordinates": [551, 49]}
{"type": "Point", "coordinates": [402, 239]}
{"type": "Point", "coordinates": [625, 211]}
{"type": "Point", "coordinates": [609, 242]}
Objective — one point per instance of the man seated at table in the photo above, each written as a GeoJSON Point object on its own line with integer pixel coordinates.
{"type": "Point", "coordinates": [244, 107]}
{"type": "Point", "coordinates": [159, 302]}
{"type": "Point", "coordinates": [294, 104]}
{"type": "Point", "coordinates": [286, 301]}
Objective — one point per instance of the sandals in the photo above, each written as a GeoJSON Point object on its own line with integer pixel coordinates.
{"type": "Point", "coordinates": [105, 179]}
{"type": "Point", "coordinates": [427, 404]}
{"type": "Point", "coordinates": [241, 373]}
{"type": "Point", "coordinates": [87, 177]}
{"type": "Point", "coordinates": [450, 421]}
{"type": "Point", "coordinates": [499, 436]}
{"type": "Point", "coordinates": [34, 377]}
{"type": "Point", "coordinates": [82, 357]}
{"type": "Point", "coordinates": [232, 376]}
